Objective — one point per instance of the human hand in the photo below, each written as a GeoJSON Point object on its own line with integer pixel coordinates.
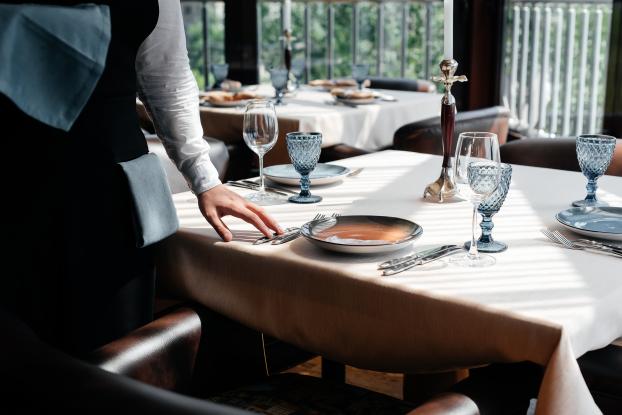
{"type": "Point", "coordinates": [220, 201]}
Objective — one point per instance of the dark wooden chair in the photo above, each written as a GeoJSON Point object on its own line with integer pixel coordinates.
{"type": "Point", "coordinates": [402, 84]}
{"type": "Point", "coordinates": [171, 366]}
{"type": "Point", "coordinates": [425, 136]}
{"type": "Point", "coordinates": [602, 371]}
{"type": "Point", "coordinates": [553, 153]}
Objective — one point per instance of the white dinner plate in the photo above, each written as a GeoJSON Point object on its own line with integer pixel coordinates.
{"type": "Point", "coordinates": [358, 101]}
{"type": "Point", "coordinates": [323, 174]}
{"type": "Point", "coordinates": [601, 222]}
{"type": "Point", "coordinates": [226, 104]}
{"type": "Point", "coordinates": [361, 234]}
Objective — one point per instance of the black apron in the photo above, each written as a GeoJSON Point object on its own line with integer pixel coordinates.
{"type": "Point", "coordinates": [71, 269]}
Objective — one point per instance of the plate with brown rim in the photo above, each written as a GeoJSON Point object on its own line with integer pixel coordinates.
{"type": "Point", "coordinates": [361, 234]}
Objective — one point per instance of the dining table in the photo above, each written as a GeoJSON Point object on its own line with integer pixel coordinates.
{"type": "Point", "coordinates": [364, 126]}
{"type": "Point", "coordinates": [540, 302]}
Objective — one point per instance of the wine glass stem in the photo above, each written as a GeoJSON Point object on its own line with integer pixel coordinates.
{"type": "Point", "coordinates": [262, 188]}
{"type": "Point", "coordinates": [591, 189]}
{"type": "Point", "coordinates": [486, 226]}
{"type": "Point", "coordinates": [473, 254]}
{"type": "Point", "coordinates": [305, 183]}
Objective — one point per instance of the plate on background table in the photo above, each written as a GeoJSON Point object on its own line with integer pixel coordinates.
{"type": "Point", "coordinates": [323, 174]}
{"type": "Point", "coordinates": [602, 222]}
{"type": "Point", "coordinates": [361, 234]}
{"type": "Point", "coordinates": [357, 101]}
{"type": "Point", "coordinates": [226, 104]}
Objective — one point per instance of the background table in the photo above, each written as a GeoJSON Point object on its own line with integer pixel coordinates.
{"type": "Point", "coordinates": [368, 127]}
{"type": "Point", "coordinates": [540, 302]}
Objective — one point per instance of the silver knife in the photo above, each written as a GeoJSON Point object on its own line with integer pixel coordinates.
{"type": "Point", "coordinates": [421, 261]}
{"type": "Point", "coordinates": [249, 187]}
{"type": "Point", "coordinates": [286, 238]}
{"type": "Point", "coordinates": [394, 262]}
{"type": "Point", "coordinates": [266, 239]}
{"type": "Point", "coordinates": [272, 186]}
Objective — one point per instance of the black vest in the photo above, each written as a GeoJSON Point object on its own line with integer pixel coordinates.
{"type": "Point", "coordinates": [74, 273]}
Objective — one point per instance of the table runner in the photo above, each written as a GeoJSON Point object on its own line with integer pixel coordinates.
{"type": "Point", "coordinates": [540, 302]}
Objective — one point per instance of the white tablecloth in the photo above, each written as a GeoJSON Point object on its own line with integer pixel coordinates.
{"type": "Point", "coordinates": [539, 302]}
{"type": "Point", "coordinates": [369, 127]}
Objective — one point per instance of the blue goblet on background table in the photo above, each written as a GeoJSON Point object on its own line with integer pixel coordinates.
{"type": "Point", "coordinates": [279, 82]}
{"type": "Point", "coordinates": [488, 208]}
{"type": "Point", "coordinates": [220, 72]}
{"type": "Point", "coordinates": [594, 153]}
{"type": "Point", "coordinates": [360, 71]}
{"type": "Point", "coordinates": [304, 151]}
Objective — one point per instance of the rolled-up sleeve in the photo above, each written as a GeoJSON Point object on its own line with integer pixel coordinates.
{"type": "Point", "coordinates": [170, 93]}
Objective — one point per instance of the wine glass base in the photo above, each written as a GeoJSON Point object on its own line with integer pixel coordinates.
{"type": "Point", "coordinates": [305, 199]}
{"type": "Point", "coordinates": [492, 247]}
{"type": "Point", "coordinates": [266, 199]}
{"type": "Point", "coordinates": [463, 260]}
{"type": "Point", "coordinates": [589, 203]}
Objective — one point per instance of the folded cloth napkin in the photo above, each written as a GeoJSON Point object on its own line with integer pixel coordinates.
{"type": "Point", "coordinates": [155, 217]}
{"type": "Point", "coordinates": [52, 58]}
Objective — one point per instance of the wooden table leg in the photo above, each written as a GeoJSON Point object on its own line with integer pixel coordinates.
{"type": "Point", "coordinates": [421, 387]}
{"type": "Point", "coordinates": [334, 371]}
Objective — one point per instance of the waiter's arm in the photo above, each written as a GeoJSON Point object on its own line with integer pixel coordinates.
{"type": "Point", "coordinates": [167, 87]}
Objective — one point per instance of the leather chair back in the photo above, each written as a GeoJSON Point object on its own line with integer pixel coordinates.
{"type": "Point", "coordinates": [553, 153]}
{"type": "Point", "coordinates": [402, 84]}
{"type": "Point", "coordinates": [161, 353]}
{"type": "Point", "coordinates": [425, 136]}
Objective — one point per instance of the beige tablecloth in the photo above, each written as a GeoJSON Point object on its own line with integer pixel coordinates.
{"type": "Point", "coordinates": [369, 127]}
{"type": "Point", "coordinates": [539, 302]}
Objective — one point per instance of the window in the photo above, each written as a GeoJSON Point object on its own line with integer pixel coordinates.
{"type": "Point", "coordinates": [554, 66]}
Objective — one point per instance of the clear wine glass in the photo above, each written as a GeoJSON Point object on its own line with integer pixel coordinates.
{"type": "Point", "coordinates": [360, 71]}
{"type": "Point", "coordinates": [477, 172]}
{"type": "Point", "coordinates": [260, 132]}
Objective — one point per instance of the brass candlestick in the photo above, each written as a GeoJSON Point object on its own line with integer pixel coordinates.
{"type": "Point", "coordinates": [444, 189]}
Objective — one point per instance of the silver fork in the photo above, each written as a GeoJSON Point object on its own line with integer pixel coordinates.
{"type": "Point", "coordinates": [294, 235]}
{"type": "Point", "coordinates": [568, 244]}
{"type": "Point", "coordinates": [586, 243]}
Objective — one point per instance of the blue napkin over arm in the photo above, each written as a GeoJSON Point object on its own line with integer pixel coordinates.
{"type": "Point", "coordinates": [155, 216]}
{"type": "Point", "coordinates": [52, 58]}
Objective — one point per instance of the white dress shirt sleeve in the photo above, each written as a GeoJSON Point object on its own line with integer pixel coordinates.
{"type": "Point", "coordinates": [170, 93]}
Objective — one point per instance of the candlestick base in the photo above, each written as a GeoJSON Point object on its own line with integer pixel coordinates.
{"type": "Point", "coordinates": [443, 190]}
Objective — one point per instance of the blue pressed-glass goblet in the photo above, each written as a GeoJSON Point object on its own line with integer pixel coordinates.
{"type": "Point", "coordinates": [360, 71]}
{"type": "Point", "coordinates": [220, 72]}
{"type": "Point", "coordinates": [298, 67]}
{"type": "Point", "coordinates": [304, 151]}
{"type": "Point", "coordinates": [594, 153]}
{"type": "Point", "coordinates": [279, 82]}
{"type": "Point", "coordinates": [488, 208]}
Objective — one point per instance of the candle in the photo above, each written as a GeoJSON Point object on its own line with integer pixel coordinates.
{"type": "Point", "coordinates": [449, 29]}
{"type": "Point", "coordinates": [287, 15]}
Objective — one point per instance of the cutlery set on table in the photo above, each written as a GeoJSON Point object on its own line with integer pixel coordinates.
{"type": "Point", "coordinates": [591, 217]}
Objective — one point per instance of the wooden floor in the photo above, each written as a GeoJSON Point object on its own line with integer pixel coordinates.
{"type": "Point", "coordinates": [387, 383]}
